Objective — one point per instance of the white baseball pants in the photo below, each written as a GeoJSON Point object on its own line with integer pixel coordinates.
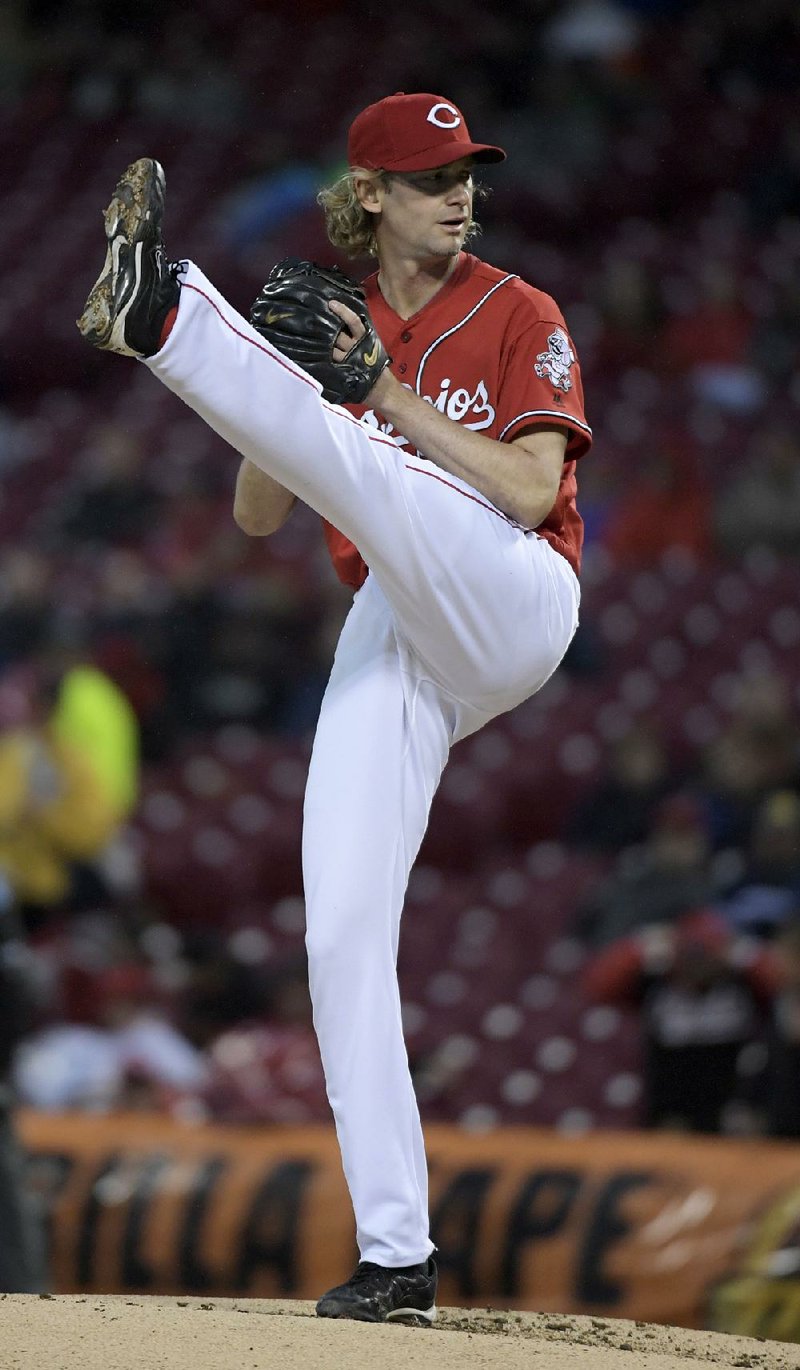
{"type": "Point", "coordinates": [463, 616]}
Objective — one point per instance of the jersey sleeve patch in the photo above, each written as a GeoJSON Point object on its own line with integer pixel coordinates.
{"type": "Point", "coordinates": [557, 362]}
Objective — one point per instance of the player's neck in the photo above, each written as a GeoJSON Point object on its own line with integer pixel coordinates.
{"type": "Point", "coordinates": [407, 285]}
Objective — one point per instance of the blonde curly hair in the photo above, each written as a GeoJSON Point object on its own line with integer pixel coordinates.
{"type": "Point", "coordinates": [350, 227]}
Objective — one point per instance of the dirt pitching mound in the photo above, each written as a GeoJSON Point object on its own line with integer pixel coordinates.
{"type": "Point", "coordinates": [119, 1333]}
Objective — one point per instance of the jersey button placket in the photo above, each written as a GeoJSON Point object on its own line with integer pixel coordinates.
{"type": "Point", "coordinates": [405, 337]}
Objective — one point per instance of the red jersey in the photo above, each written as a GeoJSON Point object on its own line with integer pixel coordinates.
{"type": "Point", "coordinates": [494, 354]}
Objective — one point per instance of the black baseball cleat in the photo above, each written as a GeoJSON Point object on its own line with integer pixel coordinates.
{"type": "Point", "coordinates": [376, 1293]}
{"type": "Point", "coordinates": [136, 289]}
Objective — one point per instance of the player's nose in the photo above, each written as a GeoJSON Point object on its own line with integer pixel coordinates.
{"type": "Point", "coordinates": [458, 194]}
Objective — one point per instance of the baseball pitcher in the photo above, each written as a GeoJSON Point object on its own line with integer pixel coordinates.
{"type": "Point", "coordinates": [433, 419]}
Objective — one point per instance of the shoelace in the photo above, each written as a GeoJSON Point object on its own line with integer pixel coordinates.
{"type": "Point", "coordinates": [363, 1271]}
{"type": "Point", "coordinates": [366, 1269]}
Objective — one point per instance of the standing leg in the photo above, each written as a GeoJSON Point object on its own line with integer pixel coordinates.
{"type": "Point", "coordinates": [380, 748]}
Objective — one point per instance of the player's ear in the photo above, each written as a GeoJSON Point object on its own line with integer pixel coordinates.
{"type": "Point", "coordinates": [368, 186]}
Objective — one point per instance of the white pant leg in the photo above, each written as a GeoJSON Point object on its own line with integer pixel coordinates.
{"type": "Point", "coordinates": [489, 609]}
{"type": "Point", "coordinates": [381, 744]}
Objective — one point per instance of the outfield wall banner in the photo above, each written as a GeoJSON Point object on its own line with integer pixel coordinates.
{"type": "Point", "coordinates": [674, 1229]}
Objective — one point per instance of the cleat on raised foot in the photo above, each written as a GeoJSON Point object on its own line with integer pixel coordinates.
{"type": "Point", "coordinates": [377, 1293]}
{"type": "Point", "coordinates": [137, 287]}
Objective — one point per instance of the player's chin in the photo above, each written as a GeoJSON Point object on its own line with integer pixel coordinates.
{"type": "Point", "coordinates": [451, 246]}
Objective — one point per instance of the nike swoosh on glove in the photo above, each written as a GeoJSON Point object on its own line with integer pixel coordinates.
{"type": "Point", "coordinates": [292, 313]}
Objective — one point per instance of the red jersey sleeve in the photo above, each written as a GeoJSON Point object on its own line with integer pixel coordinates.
{"type": "Point", "coordinates": [541, 382]}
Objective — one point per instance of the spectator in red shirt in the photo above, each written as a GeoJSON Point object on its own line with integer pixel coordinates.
{"type": "Point", "coordinates": [667, 504]}
{"type": "Point", "coordinates": [700, 993]}
{"type": "Point", "coordinates": [710, 343]}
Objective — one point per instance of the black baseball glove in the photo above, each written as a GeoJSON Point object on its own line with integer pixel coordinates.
{"type": "Point", "coordinates": [292, 313]}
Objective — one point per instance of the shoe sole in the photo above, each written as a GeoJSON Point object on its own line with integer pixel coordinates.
{"type": "Point", "coordinates": [124, 219]}
{"type": "Point", "coordinates": [409, 1317]}
{"type": "Point", "coordinates": [413, 1317]}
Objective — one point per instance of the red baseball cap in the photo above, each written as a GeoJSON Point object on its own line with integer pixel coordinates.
{"type": "Point", "coordinates": [413, 133]}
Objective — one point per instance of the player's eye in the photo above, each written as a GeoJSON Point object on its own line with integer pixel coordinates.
{"type": "Point", "coordinates": [437, 181]}
{"type": "Point", "coordinates": [444, 179]}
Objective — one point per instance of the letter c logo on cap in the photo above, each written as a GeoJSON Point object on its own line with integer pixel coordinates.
{"type": "Point", "coordinates": [437, 115]}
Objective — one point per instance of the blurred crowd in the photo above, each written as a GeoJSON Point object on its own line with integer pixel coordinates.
{"type": "Point", "coordinates": [697, 924]}
{"type": "Point", "coordinates": [653, 185]}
